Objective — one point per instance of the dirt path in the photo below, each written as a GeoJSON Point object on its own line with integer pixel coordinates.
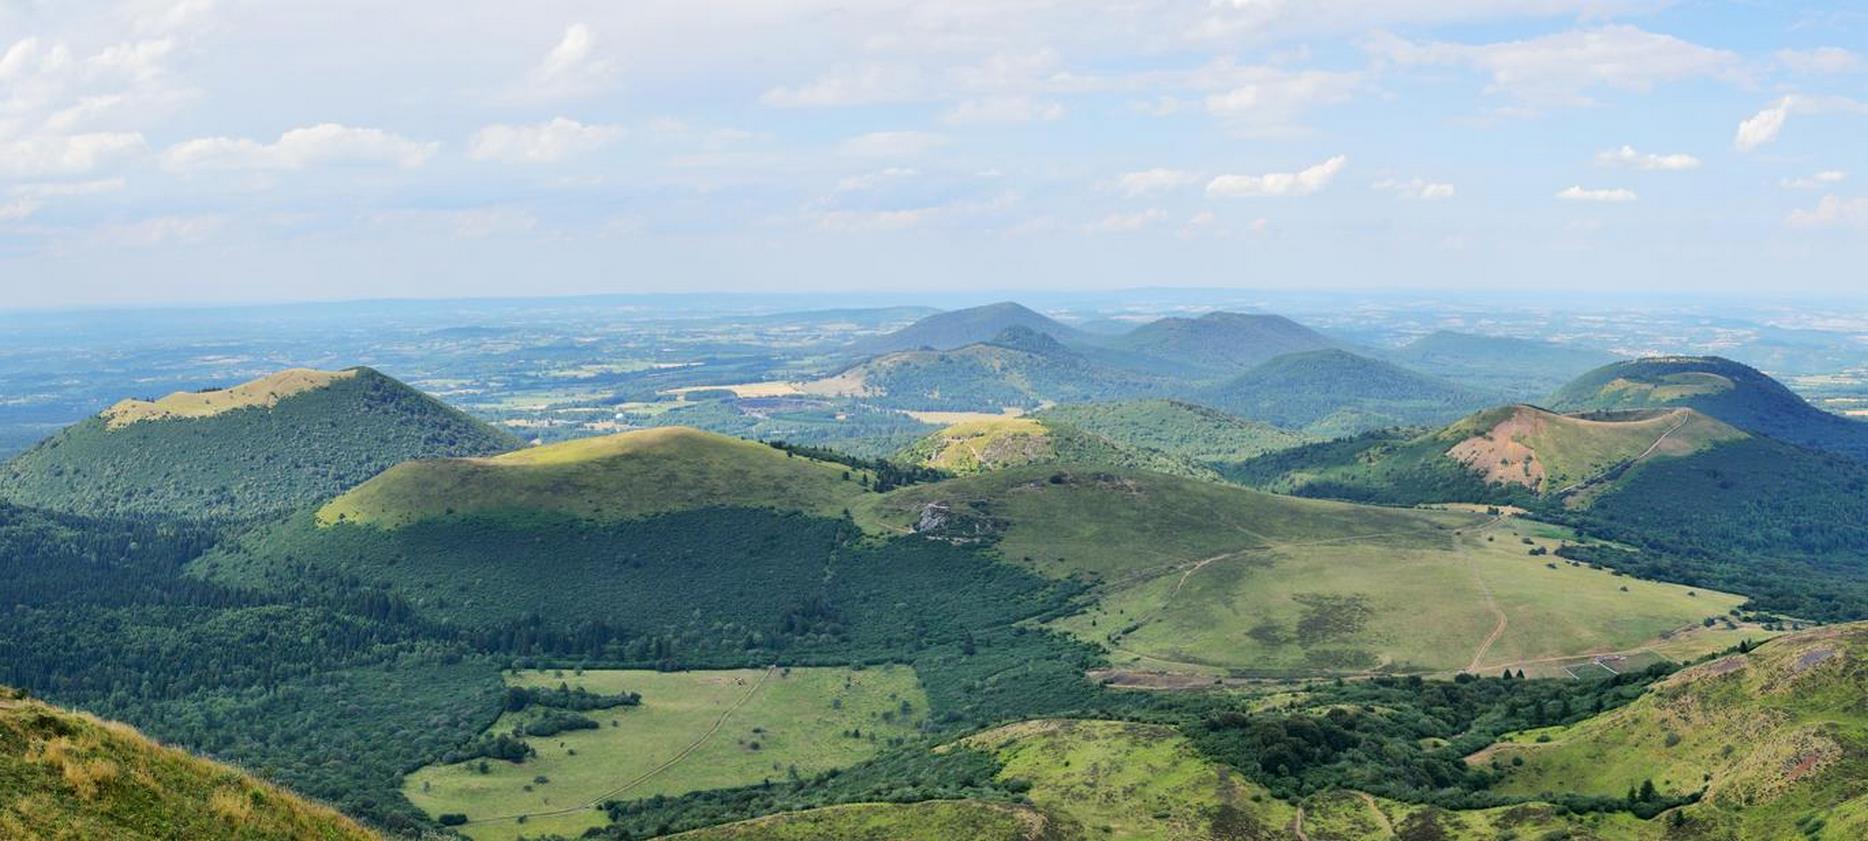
{"type": "Point", "coordinates": [1380, 816]}
{"type": "Point", "coordinates": [1297, 825]}
{"type": "Point", "coordinates": [1491, 604]}
{"type": "Point", "coordinates": [1684, 417]}
{"type": "Point", "coordinates": [657, 770]}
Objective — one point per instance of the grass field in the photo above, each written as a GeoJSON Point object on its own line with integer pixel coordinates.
{"type": "Point", "coordinates": [936, 820]}
{"type": "Point", "coordinates": [693, 731]}
{"type": "Point", "coordinates": [1120, 781]}
{"type": "Point", "coordinates": [986, 444]}
{"type": "Point", "coordinates": [264, 392]}
{"type": "Point", "coordinates": [1776, 739]}
{"type": "Point", "coordinates": [613, 477]}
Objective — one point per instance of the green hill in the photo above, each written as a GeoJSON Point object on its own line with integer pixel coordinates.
{"type": "Point", "coordinates": [69, 775]}
{"type": "Point", "coordinates": [933, 820]}
{"type": "Point", "coordinates": [1525, 369]}
{"type": "Point", "coordinates": [1019, 367]}
{"type": "Point", "coordinates": [626, 476]}
{"type": "Point", "coordinates": [997, 443]}
{"type": "Point", "coordinates": [1737, 394]}
{"type": "Point", "coordinates": [959, 328]}
{"type": "Point", "coordinates": [1221, 343]}
{"type": "Point", "coordinates": [270, 445]}
{"type": "Point", "coordinates": [1178, 428]}
{"type": "Point", "coordinates": [1774, 742]}
{"type": "Point", "coordinates": [1334, 392]}
{"type": "Point", "coordinates": [1690, 498]}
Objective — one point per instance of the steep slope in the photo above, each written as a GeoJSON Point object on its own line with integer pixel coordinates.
{"type": "Point", "coordinates": [1176, 427]}
{"type": "Point", "coordinates": [1018, 367]}
{"type": "Point", "coordinates": [1525, 369]}
{"type": "Point", "coordinates": [1221, 343]}
{"type": "Point", "coordinates": [68, 775]}
{"type": "Point", "coordinates": [270, 445]}
{"type": "Point", "coordinates": [993, 444]}
{"type": "Point", "coordinates": [933, 820]}
{"type": "Point", "coordinates": [625, 476]}
{"type": "Point", "coordinates": [959, 328]}
{"type": "Point", "coordinates": [1334, 392]}
{"type": "Point", "coordinates": [1737, 394]}
{"type": "Point", "coordinates": [1776, 739]}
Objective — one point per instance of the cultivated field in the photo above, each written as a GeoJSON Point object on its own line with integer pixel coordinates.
{"type": "Point", "coordinates": [693, 731]}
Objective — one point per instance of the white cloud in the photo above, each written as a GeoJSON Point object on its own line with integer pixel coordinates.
{"type": "Point", "coordinates": [1816, 181]}
{"type": "Point", "coordinates": [572, 68]}
{"type": "Point", "coordinates": [866, 85]}
{"type": "Point", "coordinates": [1763, 127]}
{"type": "Point", "coordinates": [325, 143]}
{"type": "Point", "coordinates": [1120, 223]}
{"type": "Point", "coordinates": [43, 156]}
{"type": "Point", "coordinates": [26, 199]}
{"type": "Point", "coordinates": [1612, 194]}
{"type": "Point", "coordinates": [1269, 100]}
{"type": "Point", "coordinates": [1301, 183]}
{"type": "Point", "coordinates": [1416, 188]}
{"type": "Point", "coordinates": [1159, 179]}
{"type": "Point", "coordinates": [1821, 60]}
{"type": "Point", "coordinates": [1003, 109]}
{"type": "Point", "coordinates": [1562, 68]}
{"type": "Point", "coordinates": [1626, 156]}
{"type": "Point", "coordinates": [892, 144]}
{"type": "Point", "coordinates": [1832, 212]}
{"type": "Point", "coordinates": [548, 142]}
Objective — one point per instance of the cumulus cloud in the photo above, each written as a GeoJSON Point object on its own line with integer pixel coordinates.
{"type": "Point", "coordinates": [1159, 179]}
{"type": "Point", "coordinates": [1416, 188]}
{"type": "Point", "coordinates": [1815, 181]}
{"type": "Point", "coordinates": [572, 68]}
{"type": "Point", "coordinates": [892, 144]}
{"type": "Point", "coordinates": [547, 142]}
{"type": "Point", "coordinates": [1121, 223]}
{"type": "Point", "coordinates": [1832, 212]}
{"type": "Point", "coordinates": [1627, 157]}
{"type": "Point", "coordinates": [1563, 68]}
{"type": "Point", "coordinates": [1276, 184]}
{"type": "Point", "coordinates": [1610, 194]}
{"type": "Point", "coordinates": [1763, 127]}
{"type": "Point", "coordinates": [1821, 60]}
{"type": "Point", "coordinates": [325, 143]}
{"type": "Point", "coordinates": [43, 156]}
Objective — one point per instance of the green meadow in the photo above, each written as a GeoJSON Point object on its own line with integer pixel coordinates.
{"type": "Point", "coordinates": [693, 731]}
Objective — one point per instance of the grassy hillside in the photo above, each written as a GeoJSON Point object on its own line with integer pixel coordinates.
{"type": "Point", "coordinates": [692, 731]}
{"type": "Point", "coordinates": [934, 820]}
{"type": "Point", "coordinates": [69, 775]}
{"type": "Point", "coordinates": [611, 478]}
{"type": "Point", "coordinates": [978, 445]}
{"type": "Point", "coordinates": [267, 446]}
{"type": "Point", "coordinates": [1178, 428]}
{"type": "Point", "coordinates": [958, 328]}
{"type": "Point", "coordinates": [1525, 369]}
{"type": "Point", "coordinates": [1739, 395]}
{"type": "Point", "coordinates": [1334, 392]}
{"type": "Point", "coordinates": [1699, 501]}
{"type": "Point", "coordinates": [1196, 576]}
{"type": "Point", "coordinates": [1220, 343]}
{"type": "Point", "coordinates": [1776, 739]}
{"type": "Point", "coordinates": [1015, 367]}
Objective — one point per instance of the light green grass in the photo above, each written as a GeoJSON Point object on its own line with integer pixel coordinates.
{"type": "Point", "coordinates": [613, 477]}
{"type": "Point", "coordinates": [937, 820]}
{"type": "Point", "coordinates": [1122, 781]}
{"type": "Point", "coordinates": [798, 718]}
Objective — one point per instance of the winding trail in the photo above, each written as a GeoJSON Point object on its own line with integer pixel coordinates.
{"type": "Point", "coordinates": [1380, 816]}
{"type": "Point", "coordinates": [1297, 825]}
{"type": "Point", "coordinates": [645, 776]}
{"type": "Point", "coordinates": [1491, 604]}
{"type": "Point", "coordinates": [1684, 417]}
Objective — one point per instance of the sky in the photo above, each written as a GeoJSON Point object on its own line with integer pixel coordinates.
{"type": "Point", "coordinates": [208, 151]}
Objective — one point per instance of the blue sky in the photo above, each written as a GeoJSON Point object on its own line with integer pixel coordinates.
{"type": "Point", "coordinates": [221, 150]}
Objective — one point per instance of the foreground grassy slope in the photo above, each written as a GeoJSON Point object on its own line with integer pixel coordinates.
{"type": "Point", "coordinates": [272, 445]}
{"type": "Point", "coordinates": [1777, 740]}
{"type": "Point", "coordinates": [611, 478]}
{"type": "Point", "coordinates": [693, 731]}
{"type": "Point", "coordinates": [1197, 576]}
{"type": "Point", "coordinates": [934, 820]}
{"type": "Point", "coordinates": [65, 775]}
{"type": "Point", "coordinates": [974, 446]}
{"type": "Point", "coordinates": [1187, 430]}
